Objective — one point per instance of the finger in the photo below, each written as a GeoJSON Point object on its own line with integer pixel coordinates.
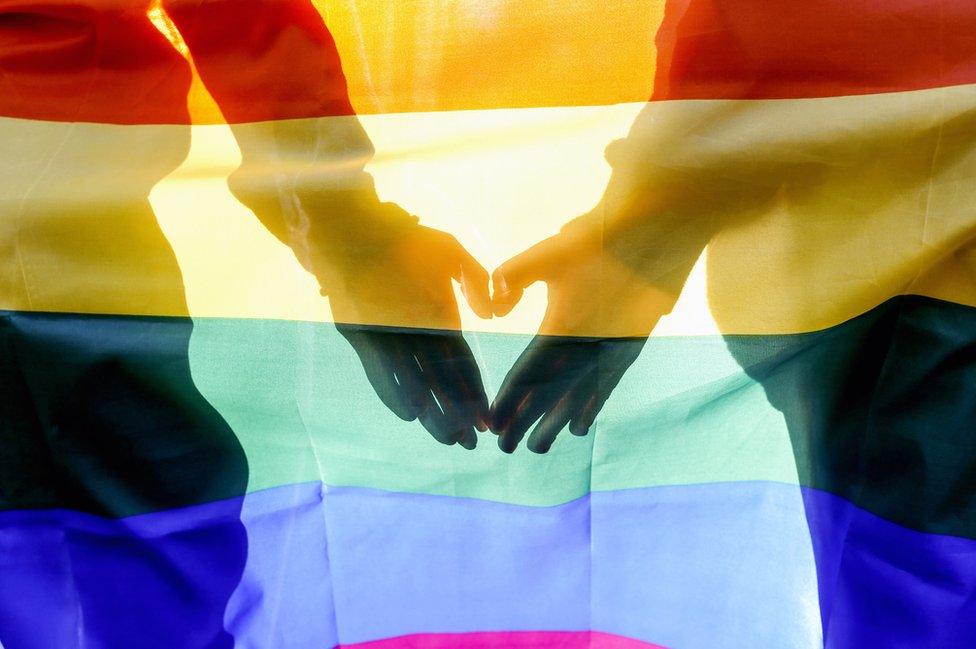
{"type": "Point", "coordinates": [474, 283]}
{"type": "Point", "coordinates": [410, 378]}
{"type": "Point", "coordinates": [588, 406]}
{"type": "Point", "coordinates": [565, 400]}
{"type": "Point", "coordinates": [451, 371]}
{"type": "Point", "coordinates": [617, 357]}
{"type": "Point", "coordinates": [517, 387]}
{"type": "Point", "coordinates": [375, 359]}
{"type": "Point", "coordinates": [437, 424]}
{"type": "Point", "coordinates": [450, 417]}
{"type": "Point", "coordinates": [550, 364]}
{"type": "Point", "coordinates": [468, 439]}
{"type": "Point", "coordinates": [511, 279]}
{"type": "Point", "coordinates": [545, 432]}
{"type": "Point", "coordinates": [444, 425]}
{"type": "Point", "coordinates": [580, 425]}
{"type": "Point", "coordinates": [537, 383]}
{"type": "Point", "coordinates": [466, 375]}
{"type": "Point", "coordinates": [454, 423]}
{"type": "Point", "coordinates": [538, 403]}
{"type": "Point", "coordinates": [508, 439]}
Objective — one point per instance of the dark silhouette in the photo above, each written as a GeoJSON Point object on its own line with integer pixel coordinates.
{"type": "Point", "coordinates": [100, 415]}
{"type": "Point", "coordinates": [821, 220]}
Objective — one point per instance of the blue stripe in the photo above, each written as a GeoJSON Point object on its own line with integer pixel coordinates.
{"type": "Point", "coordinates": [717, 565]}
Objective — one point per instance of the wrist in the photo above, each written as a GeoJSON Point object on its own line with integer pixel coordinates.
{"type": "Point", "coordinates": [347, 232]}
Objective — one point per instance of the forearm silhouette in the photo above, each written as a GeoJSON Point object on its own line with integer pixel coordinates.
{"type": "Point", "coordinates": [611, 275]}
{"type": "Point", "coordinates": [614, 272]}
{"type": "Point", "coordinates": [275, 72]}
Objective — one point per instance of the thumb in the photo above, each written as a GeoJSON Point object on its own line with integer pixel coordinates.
{"type": "Point", "coordinates": [510, 280]}
{"type": "Point", "coordinates": [474, 283]}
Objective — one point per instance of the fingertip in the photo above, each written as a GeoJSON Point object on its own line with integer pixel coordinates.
{"type": "Point", "coordinates": [477, 296]}
{"type": "Point", "coordinates": [507, 444]}
{"type": "Point", "coordinates": [468, 439]}
{"type": "Point", "coordinates": [521, 271]}
{"type": "Point", "coordinates": [503, 303]}
{"type": "Point", "coordinates": [498, 282]}
{"type": "Point", "coordinates": [579, 428]}
{"type": "Point", "coordinates": [485, 312]}
{"type": "Point", "coordinates": [483, 413]}
{"type": "Point", "coordinates": [542, 438]}
{"type": "Point", "coordinates": [399, 406]}
{"type": "Point", "coordinates": [474, 281]}
{"type": "Point", "coordinates": [435, 426]}
{"type": "Point", "coordinates": [495, 425]}
{"type": "Point", "coordinates": [483, 309]}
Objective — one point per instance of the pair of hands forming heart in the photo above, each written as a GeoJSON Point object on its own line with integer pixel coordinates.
{"type": "Point", "coordinates": [397, 277]}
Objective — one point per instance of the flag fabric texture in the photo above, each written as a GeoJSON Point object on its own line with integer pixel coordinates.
{"type": "Point", "coordinates": [255, 390]}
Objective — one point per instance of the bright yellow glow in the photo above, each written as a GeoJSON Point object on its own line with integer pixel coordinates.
{"type": "Point", "coordinates": [498, 180]}
{"type": "Point", "coordinates": [874, 223]}
{"type": "Point", "coordinates": [409, 56]}
{"type": "Point", "coordinates": [503, 180]}
{"type": "Point", "coordinates": [162, 22]}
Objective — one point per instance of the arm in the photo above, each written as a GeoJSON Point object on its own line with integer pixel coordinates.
{"type": "Point", "coordinates": [274, 71]}
{"type": "Point", "coordinates": [273, 68]}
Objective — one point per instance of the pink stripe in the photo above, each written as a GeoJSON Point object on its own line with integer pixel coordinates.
{"type": "Point", "coordinates": [507, 640]}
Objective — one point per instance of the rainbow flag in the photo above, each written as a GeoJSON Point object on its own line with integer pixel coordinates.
{"type": "Point", "coordinates": [487, 323]}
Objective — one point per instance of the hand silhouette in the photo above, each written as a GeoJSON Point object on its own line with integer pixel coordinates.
{"type": "Point", "coordinates": [599, 315]}
{"type": "Point", "coordinates": [388, 280]}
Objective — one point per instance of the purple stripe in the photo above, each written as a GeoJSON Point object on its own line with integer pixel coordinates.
{"type": "Point", "coordinates": [507, 640]}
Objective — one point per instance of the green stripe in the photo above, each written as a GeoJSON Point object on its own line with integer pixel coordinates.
{"type": "Point", "coordinates": [299, 401]}
{"type": "Point", "coordinates": [878, 410]}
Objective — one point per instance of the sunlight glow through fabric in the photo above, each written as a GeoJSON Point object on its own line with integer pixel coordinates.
{"type": "Point", "coordinates": [487, 324]}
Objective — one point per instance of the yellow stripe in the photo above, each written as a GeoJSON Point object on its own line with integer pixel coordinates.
{"type": "Point", "coordinates": [830, 206]}
{"type": "Point", "coordinates": [883, 203]}
{"type": "Point", "coordinates": [498, 180]}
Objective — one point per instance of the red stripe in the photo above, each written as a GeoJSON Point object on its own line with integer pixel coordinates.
{"type": "Point", "coordinates": [76, 61]}
{"type": "Point", "coordinates": [104, 61]}
{"type": "Point", "coordinates": [507, 640]}
{"type": "Point", "coordinates": [768, 49]}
